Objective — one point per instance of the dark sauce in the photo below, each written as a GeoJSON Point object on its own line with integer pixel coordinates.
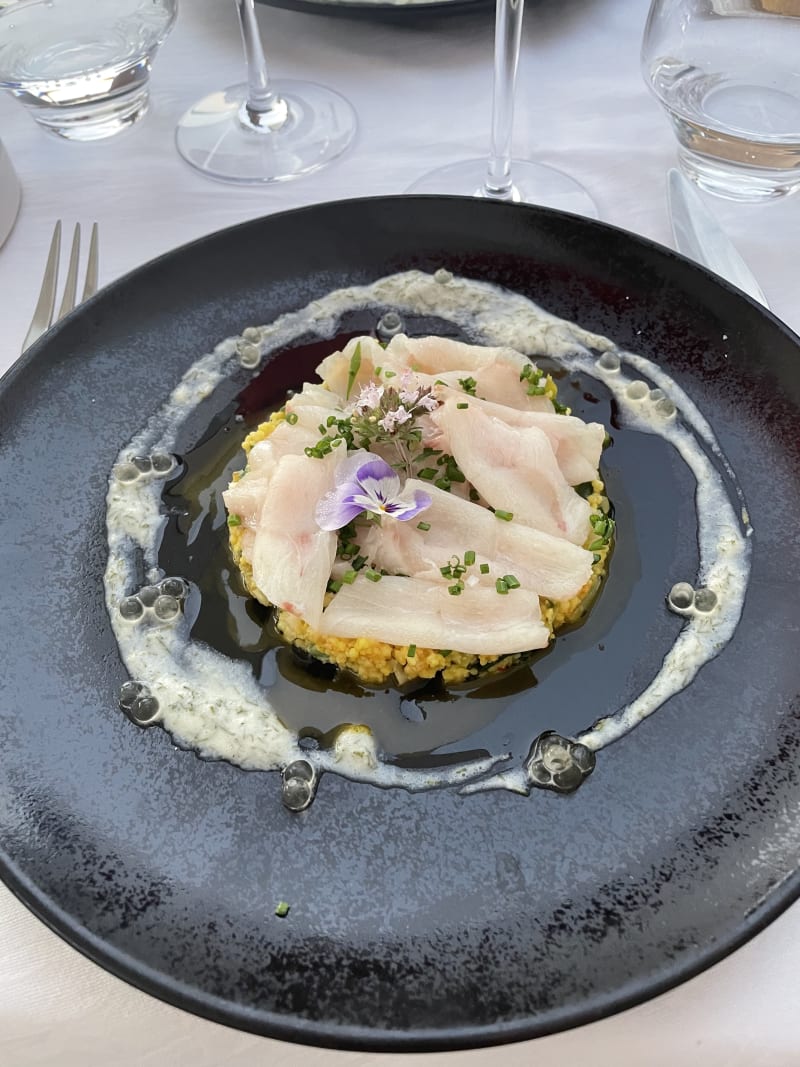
{"type": "Point", "coordinates": [579, 678]}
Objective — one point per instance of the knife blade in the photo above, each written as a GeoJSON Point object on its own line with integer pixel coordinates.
{"type": "Point", "coordinates": [699, 236]}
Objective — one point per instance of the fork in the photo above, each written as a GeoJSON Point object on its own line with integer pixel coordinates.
{"type": "Point", "coordinates": [44, 316]}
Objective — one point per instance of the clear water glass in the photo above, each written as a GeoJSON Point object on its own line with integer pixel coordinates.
{"type": "Point", "coordinates": [727, 73]}
{"type": "Point", "coordinates": [82, 67]}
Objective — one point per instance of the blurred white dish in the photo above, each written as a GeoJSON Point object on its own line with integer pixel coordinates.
{"type": "Point", "coordinates": [10, 194]}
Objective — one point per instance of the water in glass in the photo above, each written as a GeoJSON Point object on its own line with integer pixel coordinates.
{"type": "Point", "coordinates": [82, 66]}
{"type": "Point", "coordinates": [727, 74]}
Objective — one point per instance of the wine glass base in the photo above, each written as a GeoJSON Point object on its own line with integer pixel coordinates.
{"type": "Point", "coordinates": [534, 183]}
{"type": "Point", "coordinates": [214, 137]}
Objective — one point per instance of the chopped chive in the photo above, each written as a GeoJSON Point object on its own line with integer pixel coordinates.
{"type": "Point", "coordinates": [291, 417]}
{"type": "Point", "coordinates": [331, 420]}
{"type": "Point", "coordinates": [445, 651]}
{"type": "Point", "coordinates": [484, 568]}
{"type": "Point", "coordinates": [501, 586]}
{"type": "Point", "coordinates": [373, 576]}
{"type": "Point", "coordinates": [334, 586]}
{"type": "Point", "coordinates": [455, 475]}
{"type": "Point", "coordinates": [443, 483]}
{"type": "Point", "coordinates": [446, 571]}
{"type": "Point", "coordinates": [355, 365]}
{"type": "Point", "coordinates": [378, 371]}
{"type": "Point", "coordinates": [596, 558]}
{"type": "Point", "coordinates": [506, 516]}
{"type": "Point", "coordinates": [423, 526]}
{"type": "Point", "coordinates": [322, 429]}
{"type": "Point", "coordinates": [234, 520]}
{"type": "Point", "coordinates": [349, 577]}
{"type": "Point", "coordinates": [561, 409]}
{"type": "Point", "coordinates": [599, 543]}
{"type": "Point", "coordinates": [412, 651]}
{"type": "Point", "coordinates": [511, 581]}
{"type": "Point", "coordinates": [454, 590]}
{"type": "Point", "coordinates": [428, 473]}
{"type": "Point", "coordinates": [535, 390]}
{"type": "Point", "coordinates": [469, 558]}
{"type": "Point", "coordinates": [462, 406]}
{"type": "Point", "coordinates": [282, 909]}
{"type": "Point", "coordinates": [439, 382]}
{"type": "Point", "coordinates": [359, 562]}
{"type": "Point", "coordinates": [469, 385]}
{"type": "Point", "coordinates": [390, 374]}
{"type": "Point", "coordinates": [474, 495]}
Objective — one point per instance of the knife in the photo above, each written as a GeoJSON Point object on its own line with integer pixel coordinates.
{"type": "Point", "coordinates": [699, 236]}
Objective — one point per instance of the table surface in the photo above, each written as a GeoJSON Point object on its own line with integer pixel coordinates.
{"type": "Point", "coordinates": [421, 85]}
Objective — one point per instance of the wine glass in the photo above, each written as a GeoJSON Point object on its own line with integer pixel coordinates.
{"type": "Point", "coordinates": [263, 130]}
{"type": "Point", "coordinates": [533, 183]}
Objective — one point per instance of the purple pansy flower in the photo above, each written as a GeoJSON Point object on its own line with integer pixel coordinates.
{"type": "Point", "coordinates": [365, 482]}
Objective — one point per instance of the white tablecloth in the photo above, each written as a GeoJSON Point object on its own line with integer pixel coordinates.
{"type": "Point", "coordinates": [421, 85]}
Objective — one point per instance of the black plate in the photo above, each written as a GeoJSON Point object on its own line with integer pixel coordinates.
{"type": "Point", "coordinates": [427, 921]}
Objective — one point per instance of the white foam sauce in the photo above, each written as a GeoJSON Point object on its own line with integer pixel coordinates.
{"type": "Point", "coordinates": [214, 705]}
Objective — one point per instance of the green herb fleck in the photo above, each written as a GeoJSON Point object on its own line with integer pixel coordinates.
{"type": "Point", "coordinates": [423, 526]}
{"type": "Point", "coordinates": [506, 516]}
{"type": "Point", "coordinates": [292, 417]}
{"type": "Point", "coordinates": [282, 909]}
{"type": "Point", "coordinates": [355, 366]}
{"type": "Point", "coordinates": [469, 558]}
{"type": "Point", "coordinates": [373, 576]}
{"type": "Point", "coordinates": [501, 586]}
{"type": "Point", "coordinates": [462, 406]}
{"type": "Point", "coordinates": [412, 651]}
{"type": "Point", "coordinates": [484, 568]}
{"type": "Point", "coordinates": [469, 385]}
{"type": "Point", "coordinates": [511, 581]}
{"type": "Point", "coordinates": [349, 577]}
{"type": "Point", "coordinates": [234, 520]}
{"type": "Point", "coordinates": [428, 473]}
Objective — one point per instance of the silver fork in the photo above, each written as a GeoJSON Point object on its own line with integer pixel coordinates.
{"type": "Point", "coordinates": [44, 316]}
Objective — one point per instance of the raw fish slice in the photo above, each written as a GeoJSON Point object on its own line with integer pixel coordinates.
{"type": "Point", "coordinates": [412, 611]}
{"type": "Point", "coordinates": [292, 557]}
{"type": "Point", "coordinates": [245, 496]}
{"type": "Point", "coordinates": [577, 445]}
{"type": "Point", "coordinates": [432, 355]}
{"type": "Point", "coordinates": [335, 368]}
{"type": "Point", "coordinates": [495, 370]}
{"type": "Point", "coordinates": [546, 565]}
{"type": "Point", "coordinates": [514, 469]}
{"type": "Point", "coordinates": [315, 395]}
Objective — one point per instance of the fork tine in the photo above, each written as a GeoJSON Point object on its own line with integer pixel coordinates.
{"type": "Point", "coordinates": [90, 287]}
{"type": "Point", "coordinates": [71, 284]}
{"type": "Point", "coordinates": [45, 305]}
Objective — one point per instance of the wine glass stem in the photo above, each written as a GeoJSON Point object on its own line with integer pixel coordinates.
{"type": "Point", "coordinates": [263, 108]}
{"type": "Point", "coordinates": [508, 29]}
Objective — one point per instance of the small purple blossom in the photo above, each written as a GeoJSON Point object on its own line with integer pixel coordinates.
{"type": "Point", "coordinates": [409, 388]}
{"type": "Point", "coordinates": [428, 402]}
{"type": "Point", "coordinates": [394, 418]}
{"type": "Point", "coordinates": [368, 398]}
{"type": "Point", "coordinates": [365, 482]}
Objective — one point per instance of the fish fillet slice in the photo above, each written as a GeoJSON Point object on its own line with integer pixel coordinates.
{"type": "Point", "coordinates": [549, 566]}
{"type": "Point", "coordinates": [292, 557]}
{"type": "Point", "coordinates": [404, 611]}
{"type": "Point", "coordinates": [514, 469]}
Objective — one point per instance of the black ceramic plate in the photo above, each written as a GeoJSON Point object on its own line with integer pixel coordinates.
{"type": "Point", "coordinates": [428, 921]}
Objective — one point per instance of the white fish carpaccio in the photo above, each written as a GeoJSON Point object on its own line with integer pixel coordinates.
{"type": "Point", "coordinates": [518, 454]}
{"type": "Point", "coordinates": [407, 611]}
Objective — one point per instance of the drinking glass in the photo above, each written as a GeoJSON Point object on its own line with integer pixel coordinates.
{"type": "Point", "coordinates": [727, 73]}
{"type": "Point", "coordinates": [500, 178]}
{"type": "Point", "coordinates": [263, 130]}
{"type": "Point", "coordinates": [82, 67]}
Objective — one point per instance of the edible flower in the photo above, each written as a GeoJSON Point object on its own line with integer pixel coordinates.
{"type": "Point", "coordinates": [365, 482]}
